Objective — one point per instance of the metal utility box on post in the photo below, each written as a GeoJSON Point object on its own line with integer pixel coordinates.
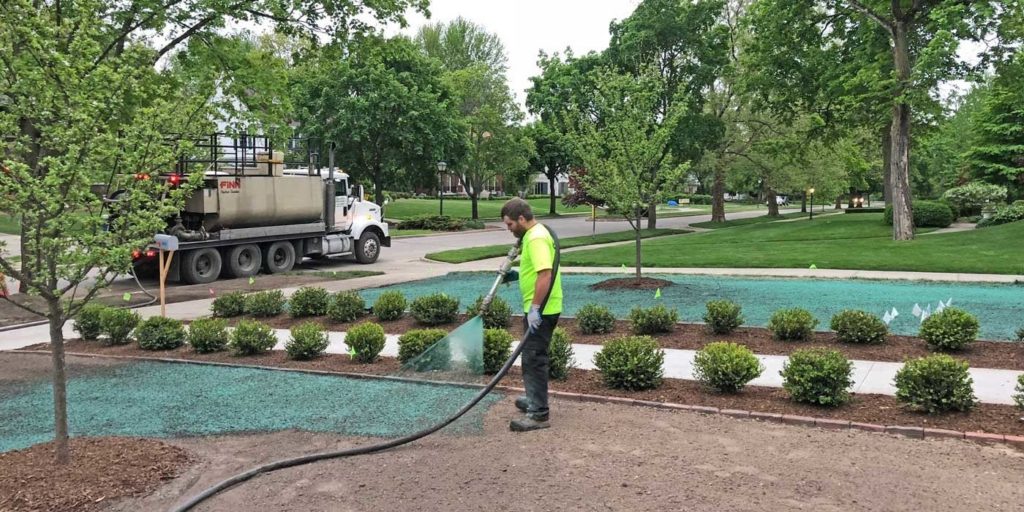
{"type": "Point", "coordinates": [168, 244]}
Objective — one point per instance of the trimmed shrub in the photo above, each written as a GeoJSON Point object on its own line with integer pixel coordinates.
{"type": "Point", "coordinates": [229, 305]}
{"type": "Point", "coordinates": [346, 307]}
{"type": "Point", "coordinates": [117, 325]}
{"type": "Point", "coordinates": [207, 335]}
{"type": "Point", "coordinates": [435, 309]}
{"type": "Point", "coordinates": [1004, 215]}
{"type": "Point", "coordinates": [390, 306]}
{"type": "Point", "coordinates": [87, 321]}
{"type": "Point", "coordinates": [1020, 334]}
{"type": "Point", "coordinates": [934, 384]}
{"type": "Point", "coordinates": [818, 376]}
{"type": "Point", "coordinates": [497, 316]}
{"type": "Point", "coordinates": [413, 343]}
{"type": "Point", "coordinates": [726, 367]}
{"type": "Point", "coordinates": [632, 363]}
{"type": "Point", "coordinates": [949, 329]}
{"type": "Point", "coordinates": [928, 214]}
{"type": "Point", "coordinates": [653, 320]}
{"type": "Point", "coordinates": [159, 333]}
{"type": "Point", "coordinates": [859, 327]}
{"type": "Point", "coordinates": [723, 316]}
{"type": "Point", "coordinates": [265, 303]}
{"type": "Point", "coordinates": [497, 348]}
{"type": "Point", "coordinates": [1018, 397]}
{"type": "Point", "coordinates": [970, 198]}
{"type": "Point", "coordinates": [595, 319]}
{"type": "Point", "coordinates": [251, 337]}
{"type": "Point", "coordinates": [792, 324]}
{"type": "Point", "coordinates": [308, 341]}
{"type": "Point", "coordinates": [561, 356]}
{"type": "Point", "coordinates": [366, 340]}
{"type": "Point", "coordinates": [308, 301]}
{"type": "Point", "coordinates": [433, 223]}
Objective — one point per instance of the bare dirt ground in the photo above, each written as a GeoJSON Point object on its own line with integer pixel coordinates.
{"type": "Point", "coordinates": [597, 457]}
{"type": "Point", "coordinates": [609, 457]}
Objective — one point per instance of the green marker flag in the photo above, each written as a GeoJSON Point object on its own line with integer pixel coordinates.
{"type": "Point", "coordinates": [657, 294]}
{"type": "Point", "coordinates": [127, 297]}
{"type": "Point", "coordinates": [351, 352]}
{"type": "Point", "coordinates": [252, 281]}
{"type": "Point", "coordinates": [624, 271]}
{"type": "Point", "coordinates": [813, 266]}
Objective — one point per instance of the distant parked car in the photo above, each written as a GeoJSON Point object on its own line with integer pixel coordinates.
{"type": "Point", "coordinates": [780, 200]}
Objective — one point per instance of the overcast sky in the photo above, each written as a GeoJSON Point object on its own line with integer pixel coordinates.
{"type": "Point", "coordinates": [528, 26]}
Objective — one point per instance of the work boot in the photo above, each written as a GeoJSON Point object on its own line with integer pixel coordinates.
{"type": "Point", "coordinates": [528, 423]}
{"type": "Point", "coordinates": [522, 403]}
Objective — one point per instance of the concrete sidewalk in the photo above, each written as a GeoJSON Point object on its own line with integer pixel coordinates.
{"type": "Point", "coordinates": [993, 386]}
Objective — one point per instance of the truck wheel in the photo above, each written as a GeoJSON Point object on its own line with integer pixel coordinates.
{"type": "Point", "coordinates": [279, 257]}
{"type": "Point", "coordinates": [201, 266]}
{"type": "Point", "coordinates": [243, 260]}
{"type": "Point", "coordinates": [367, 248]}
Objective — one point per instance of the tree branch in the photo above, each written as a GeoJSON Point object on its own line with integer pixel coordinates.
{"type": "Point", "coordinates": [863, 9]}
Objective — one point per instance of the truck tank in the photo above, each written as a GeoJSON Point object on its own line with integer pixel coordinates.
{"type": "Point", "coordinates": [263, 197]}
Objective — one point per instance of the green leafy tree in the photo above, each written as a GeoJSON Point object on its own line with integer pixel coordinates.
{"type": "Point", "coordinates": [683, 44]}
{"type": "Point", "coordinates": [554, 155]}
{"type": "Point", "coordinates": [384, 104]}
{"type": "Point", "coordinates": [81, 98]}
{"type": "Point", "coordinates": [998, 156]}
{"type": "Point", "coordinates": [626, 146]}
{"type": "Point", "coordinates": [495, 146]}
{"type": "Point", "coordinates": [850, 59]}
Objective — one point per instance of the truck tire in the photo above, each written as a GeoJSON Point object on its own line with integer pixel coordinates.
{"type": "Point", "coordinates": [367, 247]}
{"type": "Point", "coordinates": [201, 266]}
{"type": "Point", "coordinates": [243, 260]}
{"type": "Point", "coordinates": [278, 257]}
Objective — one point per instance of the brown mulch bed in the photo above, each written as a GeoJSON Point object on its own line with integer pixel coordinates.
{"type": "Point", "coordinates": [981, 354]}
{"type": "Point", "coordinates": [866, 408]}
{"type": "Point", "coordinates": [101, 469]}
{"type": "Point", "coordinates": [631, 283]}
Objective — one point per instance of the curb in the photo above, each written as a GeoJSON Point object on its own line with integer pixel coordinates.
{"type": "Point", "coordinates": [911, 432]}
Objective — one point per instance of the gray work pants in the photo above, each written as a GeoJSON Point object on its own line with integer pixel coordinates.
{"type": "Point", "coordinates": [535, 365]}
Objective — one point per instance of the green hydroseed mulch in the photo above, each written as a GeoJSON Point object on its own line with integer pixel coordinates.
{"type": "Point", "coordinates": [177, 400]}
{"type": "Point", "coordinates": [999, 307]}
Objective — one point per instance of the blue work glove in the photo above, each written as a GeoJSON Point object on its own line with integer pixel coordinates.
{"type": "Point", "coordinates": [510, 277]}
{"type": "Point", "coordinates": [533, 317]}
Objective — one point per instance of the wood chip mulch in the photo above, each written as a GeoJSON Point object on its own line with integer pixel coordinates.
{"type": "Point", "coordinates": [101, 469]}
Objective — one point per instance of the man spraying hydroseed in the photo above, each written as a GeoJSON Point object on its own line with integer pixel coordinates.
{"type": "Point", "coordinates": [535, 267]}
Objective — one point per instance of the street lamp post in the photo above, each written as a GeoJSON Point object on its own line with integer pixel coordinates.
{"type": "Point", "coordinates": [811, 192]}
{"type": "Point", "coordinates": [442, 166]}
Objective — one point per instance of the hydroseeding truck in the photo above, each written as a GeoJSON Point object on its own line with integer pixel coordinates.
{"type": "Point", "coordinates": [255, 211]}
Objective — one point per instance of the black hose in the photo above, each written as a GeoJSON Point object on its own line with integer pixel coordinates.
{"type": "Point", "coordinates": [374, 448]}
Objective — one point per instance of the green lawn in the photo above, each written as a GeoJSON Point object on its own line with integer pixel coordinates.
{"type": "Point", "coordinates": [9, 225]}
{"type": "Point", "coordinates": [488, 209]}
{"type": "Point", "coordinates": [493, 251]}
{"type": "Point", "coordinates": [747, 221]}
{"type": "Point", "coordinates": [840, 241]}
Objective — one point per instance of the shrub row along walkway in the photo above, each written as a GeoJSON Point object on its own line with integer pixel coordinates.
{"type": "Point", "coordinates": [993, 386]}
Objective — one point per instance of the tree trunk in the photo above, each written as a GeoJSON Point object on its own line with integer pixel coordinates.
{"type": "Point", "coordinates": [378, 185]}
{"type": "Point", "coordinates": [887, 165]}
{"type": "Point", "coordinates": [803, 203]}
{"type": "Point", "coordinates": [652, 216]}
{"type": "Point", "coordinates": [639, 276]}
{"type": "Point", "coordinates": [773, 204]}
{"type": "Point", "coordinates": [473, 200]}
{"type": "Point", "coordinates": [60, 396]}
{"type": "Point", "coordinates": [718, 196]}
{"type": "Point", "coordinates": [839, 202]}
{"type": "Point", "coordinates": [26, 270]}
{"type": "Point", "coordinates": [552, 210]}
{"type": "Point", "coordinates": [902, 218]}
